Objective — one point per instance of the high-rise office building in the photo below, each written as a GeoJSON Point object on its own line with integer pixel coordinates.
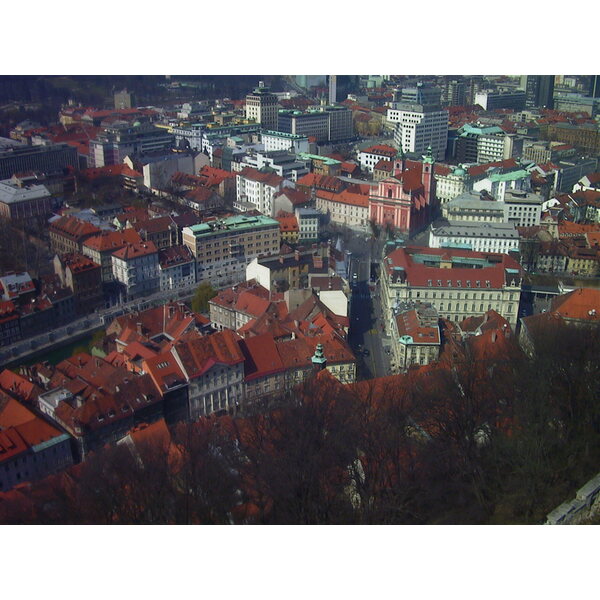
{"type": "Point", "coordinates": [595, 86]}
{"type": "Point", "coordinates": [332, 89]}
{"type": "Point", "coordinates": [420, 121]}
{"type": "Point", "coordinates": [124, 99]}
{"type": "Point", "coordinates": [262, 107]}
{"type": "Point", "coordinates": [455, 93]}
{"type": "Point", "coordinates": [539, 91]}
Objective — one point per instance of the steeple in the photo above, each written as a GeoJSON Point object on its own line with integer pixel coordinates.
{"type": "Point", "coordinates": [428, 157]}
{"type": "Point", "coordinates": [399, 161]}
{"type": "Point", "coordinates": [427, 175]}
{"type": "Point", "coordinates": [318, 360]}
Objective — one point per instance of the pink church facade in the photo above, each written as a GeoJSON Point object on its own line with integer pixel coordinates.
{"type": "Point", "coordinates": [406, 199]}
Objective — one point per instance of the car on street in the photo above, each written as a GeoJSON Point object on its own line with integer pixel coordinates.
{"type": "Point", "coordinates": [366, 352]}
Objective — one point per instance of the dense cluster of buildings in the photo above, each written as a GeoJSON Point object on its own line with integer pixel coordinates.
{"type": "Point", "coordinates": [476, 184]}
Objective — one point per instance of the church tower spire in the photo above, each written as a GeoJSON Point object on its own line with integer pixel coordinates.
{"type": "Point", "coordinates": [318, 360]}
{"type": "Point", "coordinates": [399, 162]}
{"type": "Point", "coordinates": [427, 175]}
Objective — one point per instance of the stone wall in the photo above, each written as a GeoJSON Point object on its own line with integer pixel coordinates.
{"type": "Point", "coordinates": [584, 506]}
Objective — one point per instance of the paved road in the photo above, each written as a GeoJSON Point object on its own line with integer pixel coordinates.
{"type": "Point", "coordinates": [365, 313]}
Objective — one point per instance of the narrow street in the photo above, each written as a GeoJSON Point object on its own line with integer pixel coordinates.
{"type": "Point", "coordinates": [366, 336]}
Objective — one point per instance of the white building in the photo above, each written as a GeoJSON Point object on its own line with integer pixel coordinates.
{"type": "Point", "coordinates": [345, 208]}
{"type": "Point", "coordinates": [213, 365]}
{"type": "Point", "coordinates": [176, 268]}
{"type": "Point", "coordinates": [458, 283]}
{"type": "Point", "coordinates": [522, 208]}
{"type": "Point", "coordinates": [370, 156]}
{"type": "Point", "coordinates": [135, 266]}
{"type": "Point", "coordinates": [278, 140]}
{"type": "Point", "coordinates": [470, 207]}
{"type": "Point", "coordinates": [258, 188]}
{"type": "Point", "coordinates": [157, 174]}
{"type": "Point", "coordinates": [284, 163]}
{"type": "Point", "coordinates": [190, 136]}
{"type": "Point", "coordinates": [418, 127]}
{"type": "Point", "coordinates": [450, 185]}
{"type": "Point", "coordinates": [498, 184]}
{"type": "Point", "coordinates": [480, 237]}
{"type": "Point", "coordinates": [493, 147]}
{"type": "Point", "coordinates": [308, 224]}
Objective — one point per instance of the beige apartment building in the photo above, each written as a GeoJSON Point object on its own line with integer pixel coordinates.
{"type": "Point", "coordinates": [223, 248]}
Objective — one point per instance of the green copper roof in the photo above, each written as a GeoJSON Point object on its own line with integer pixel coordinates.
{"type": "Point", "coordinates": [469, 129]}
{"type": "Point", "coordinates": [512, 176]}
{"type": "Point", "coordinates": [428, 158]}
{"type": "Point", "coordinates": [319, 357]}
{"type": "Point", "coordinates": [326, 160]}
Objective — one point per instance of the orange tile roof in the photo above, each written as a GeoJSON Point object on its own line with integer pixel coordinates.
{"type": "Point", "coordinates": [18, 387]}
{"type": "Point", "coordinates": [120, 170]}
{"type": "Point", "coordinates": [131, 251]}
{"type": "Point", "coordinates": [270, 179]}
{"type": "Point", "coordinates": [382, 150]}
{"type": "Point", "coordinates": [296, 197]}
{"type": "Point", "coordinates": [288, 224]}
{"type": "Point", "coordinates": [580, 304]}
{"type": "Point", "coordinates": [112, 240]}
{"type": "Point", "coordinates": [345, 197]}
{"type": "Point", "coordinates": [198, 354]}
{"type": "Point", "coordinates": [164, 370]}
{"type": "Point", "coordinates": [73, 227]}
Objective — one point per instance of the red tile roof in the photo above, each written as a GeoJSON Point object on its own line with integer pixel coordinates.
{"type": "Point", "coordinates": [409, 323]}
{"type": "Point", "coordinates": [73, 228]}
{"type": "Point", "coordinates": [481, 169]}
{"type": "Point", "coordinates": [78, 263]}
{"type": "Point", "coordinates": [120, 170]}
{"type": "Point", "coordinates": [131, 251]}
{"type": "Point", "coordinates": [270, 179]}
{"type": "Point", "coordinates": [580, 304]}
{"type": "Point", "coordinates": [418, 274]}
{"type": "Point", "coordinates": [18, 387]}
{"type": "Point", "coordinates": [325, 182]}
{"type": "Point", "coordinates": [261, 357]}
{"type": "Point", "coordinates": [112, 240]}
{"type": "Point", "coordinates": [296, 197]}
{"type": "Point", "coordinates": [288, 224]}
{"type": "Point", "coordinates": [344, 197]}
{"type": "Point", "coordinates": [199, 354]}
{"type": "Point", "coordinates": [164, 370]}
{"type": "Point", "coordinates": [382, 150]}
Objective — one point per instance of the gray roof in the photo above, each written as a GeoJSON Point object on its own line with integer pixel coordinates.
{"type": "Point", "coordinates": [473, 201]}
{"type": "Point", "coordinates": [6, 143]}
{"type": "Point", "coordinates": [11, 193]}
{"type": "Point", "coordinates": [474, 229]}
